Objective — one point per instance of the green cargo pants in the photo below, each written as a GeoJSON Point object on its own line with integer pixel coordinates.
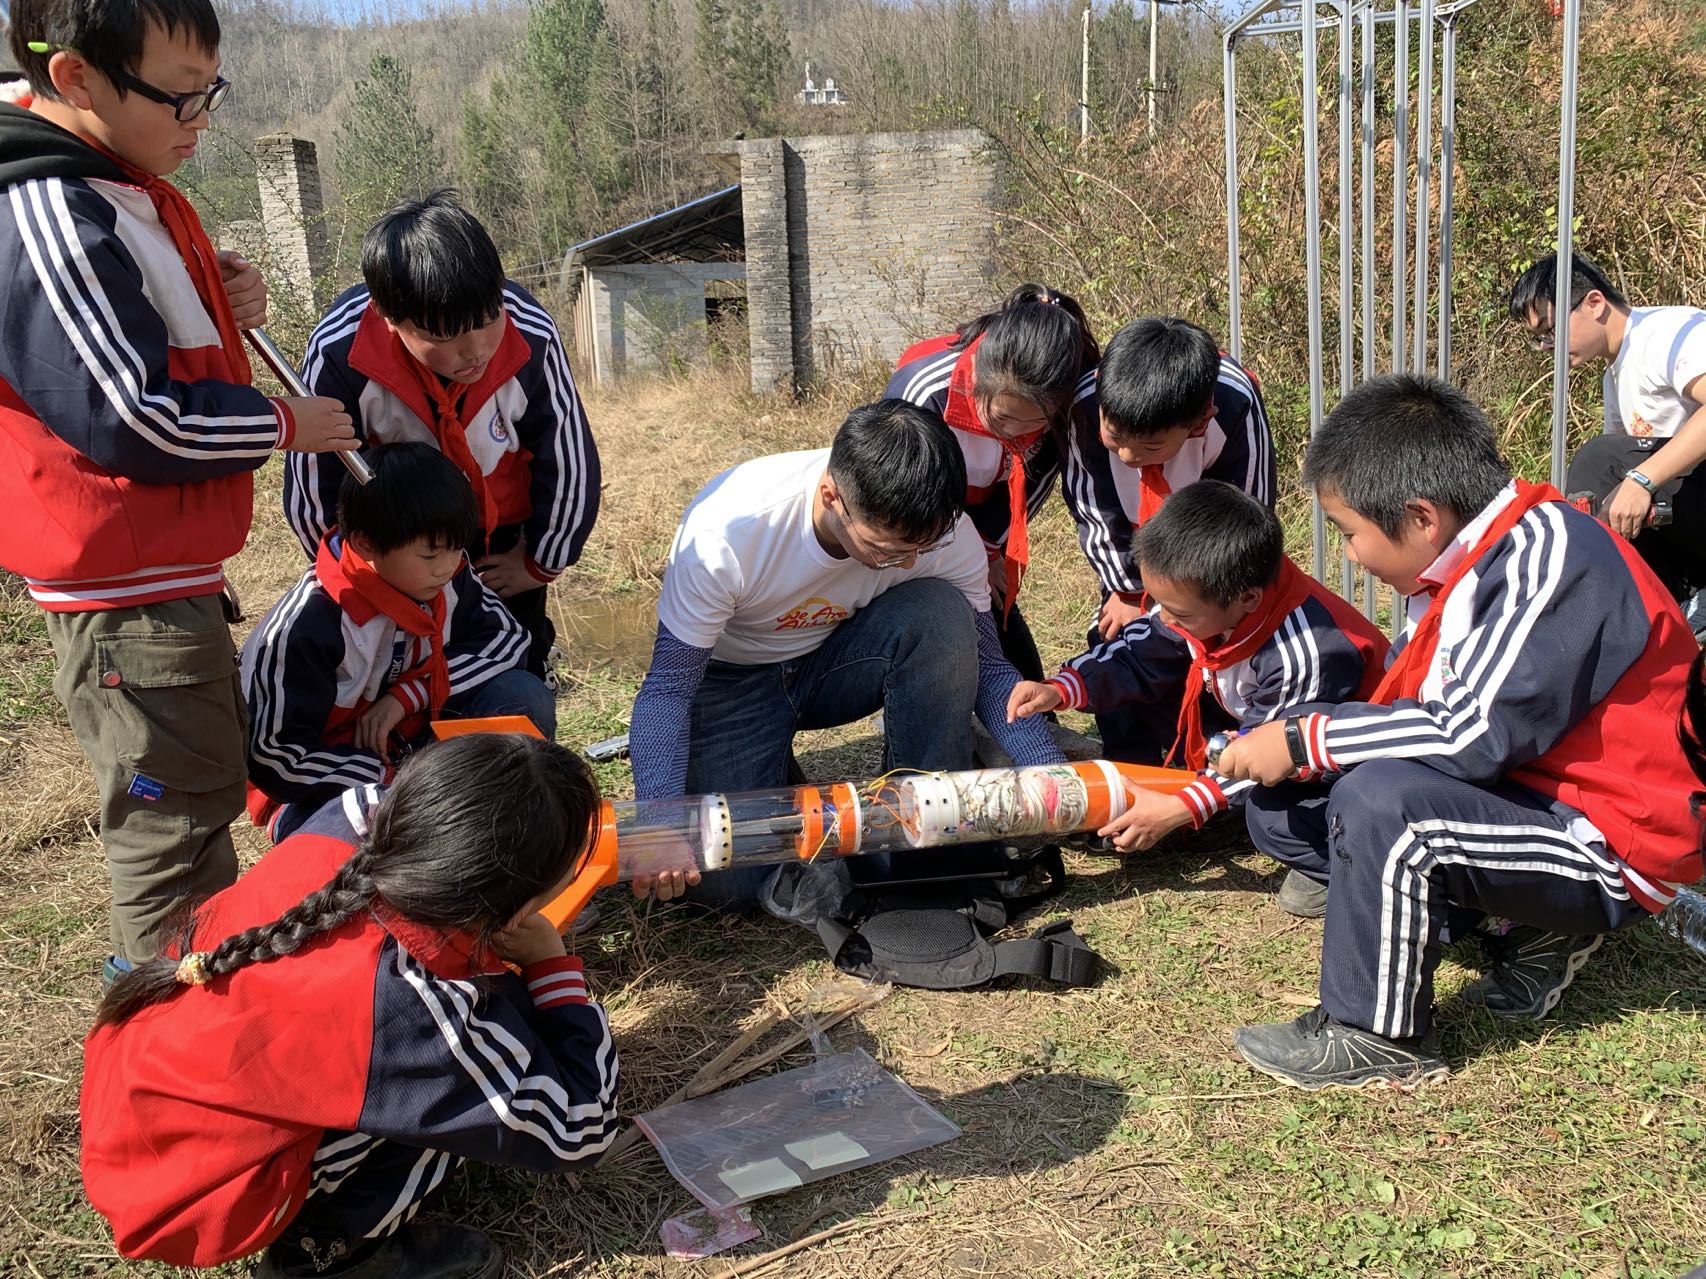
{"type": "Point", "coordinates": [155, 701]}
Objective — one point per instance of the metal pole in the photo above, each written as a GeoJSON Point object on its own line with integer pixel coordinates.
{"type": "Point", "coordinates": [1400, 175]}
{"type": "Point", "coordinates": [1154, 21]}
{"type": "Point", "coordinates": [285, 372]}
{"type": "Point", "coordinates": [1447, 145]}
{"type": "Point", "coordinates": [1347, 198]}
{"type": "Point", "coordinates": [1566, 250]}
{"type": "Point", "coordinates": [1084, 84]}
{"type": "Point", "coordinates": [1424, 183]}
{"type": "Point", "coordinates": [1312, 249]}
{"type": "Point", "coordinates": [1370, 285]}
{"type": "Point", "coordinates": [1229, 95]}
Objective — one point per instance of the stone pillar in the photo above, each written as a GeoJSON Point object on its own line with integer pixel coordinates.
{"type": "Point", "coordinates": [769, 294]}
{"type": "Point", "coordinates": [293, 211]}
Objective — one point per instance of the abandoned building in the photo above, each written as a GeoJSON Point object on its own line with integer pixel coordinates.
{"type": "Point", "coordinates": [830, 250]}
{"type": "Point", "coordinates": [841, 248]}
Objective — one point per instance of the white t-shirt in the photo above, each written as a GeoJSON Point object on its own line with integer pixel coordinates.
{"type": "Point", "coordinates": [748, 579]}
{"type": "Point", "coordinates": [1663, 351]}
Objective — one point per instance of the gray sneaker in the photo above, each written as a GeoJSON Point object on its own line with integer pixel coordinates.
{"type": "Point", "coordinates": [1531, 968]}
{"type": "Point", "coordinates": [1316, 1052]}
{"type": "Point", "coordinates": [1301, 896]}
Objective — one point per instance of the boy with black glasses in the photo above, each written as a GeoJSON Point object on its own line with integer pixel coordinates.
{"type": "Point", "coordinates": [129, 431]}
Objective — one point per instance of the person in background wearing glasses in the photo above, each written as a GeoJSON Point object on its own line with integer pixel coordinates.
{"type": "Point", "coordinates": [129, 431]}
{"type": "Point", "coordinates": [808, 590]}
{"type": "Point", "coordinates": [1655, 418]}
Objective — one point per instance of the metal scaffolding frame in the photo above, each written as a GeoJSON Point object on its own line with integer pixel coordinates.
{"type": "Point", "coordinates": [1355, 23]}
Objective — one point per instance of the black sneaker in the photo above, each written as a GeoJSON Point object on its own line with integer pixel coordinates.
{"type": "Point", "coordinates": [1301, 896]}
{"type": "Point", "coordinates": [419, 1250]}
{"type": "Point", "coordinates": [1317, 1052]}
{"type": "Point", "coordinates": [1531, 968]}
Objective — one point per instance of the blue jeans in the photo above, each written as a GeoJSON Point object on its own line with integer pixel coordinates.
{"type": "Point", "coordinates": [515, 692]}
{"type": "Point", "coordinates": [911, 653]}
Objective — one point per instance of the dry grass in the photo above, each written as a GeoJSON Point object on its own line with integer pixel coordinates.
{"type": "Point", "coordinates": [1108, 1131]}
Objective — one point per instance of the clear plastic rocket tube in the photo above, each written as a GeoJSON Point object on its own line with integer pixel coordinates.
{"type": "Point", "coordinates": [896, 812]}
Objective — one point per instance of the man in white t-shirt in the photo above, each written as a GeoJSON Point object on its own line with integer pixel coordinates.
{"type": "Point", "coordinates": [1655, 422]}
{"type": "Point", "coordinates": [807, 590]}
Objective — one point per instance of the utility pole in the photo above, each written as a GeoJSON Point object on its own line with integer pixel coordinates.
{"type": "Point", "coordinates": [1154, 18]}
{"type": "Point", "coordinates": [1084, 84]}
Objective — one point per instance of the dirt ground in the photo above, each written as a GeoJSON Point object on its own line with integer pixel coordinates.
{"type": "Point", "coordinates": [1109, 1131]}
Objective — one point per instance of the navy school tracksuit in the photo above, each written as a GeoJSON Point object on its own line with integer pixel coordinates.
{"type": "Point", "coordinates": [1526, 765]}
{"type": "Point", "coordinates": [332, 647]}
{"type": "Point", "coordinates": [1313, 646]}
{"type": "Point", "coordinates": [519, 435]}
{"type": "Point", "coordinates": [1108, 503]}
{"type": "Point", "coordinates": [330, 1092]}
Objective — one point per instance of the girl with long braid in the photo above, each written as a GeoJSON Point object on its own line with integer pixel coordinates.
{"type": "Point", "coordinates": [329, 1038]}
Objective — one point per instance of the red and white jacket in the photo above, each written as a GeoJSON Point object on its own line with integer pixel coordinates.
{"type": "Point", "coordinates": [127, 437]}
{"type": "Point", "coordinates": [522, 422]}
{"type": "Point", "coordinates": [1560, 664]}
{"type": "Point", "coordinates": [210, 1118]}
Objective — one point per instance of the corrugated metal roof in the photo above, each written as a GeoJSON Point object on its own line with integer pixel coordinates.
{"type": "Point", "coordinates": [701, 230]}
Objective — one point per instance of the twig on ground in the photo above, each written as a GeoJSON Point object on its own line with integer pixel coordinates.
{"type": "Point", "coordinates": [752, 1264]}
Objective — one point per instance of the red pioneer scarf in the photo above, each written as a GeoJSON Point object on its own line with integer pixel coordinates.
{"type": "Point", "coordinates": [1410, 668]}
{"type": "Point", "coordinates": [361, 592]}
{"type": "Point", "coordinates": [447, 426]}
{"type": "Point", "coordinates": [1289, 590]}
{"type": "Point", "coordinates": [961, 412]}
{"type": "Point", "coordinates": [1153, 490]}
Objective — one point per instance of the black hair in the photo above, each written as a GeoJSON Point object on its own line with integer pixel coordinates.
{"type": "Point", "coordinates": [1693, 727]}
{"type": "Point", "coordinates": [898, 467]}
{"type": "Point", "coordinates": [1402, 437]}
{"type": "Point", "coordinates": [473, 829]}
{"type": "Point", "coordinates": [430, 263]}
{"type": "Point", "coordinates": [1536, 289]}
{"type": "Point", "coordinates": [1157, 373]}
{"type": "Point", "coordinates": [107, 34]}
{"type": "Point", "coordinates": [1036, 345]}
{"type": "Point", "coordinates": [415, 492]}
{"type": "Point", "coordinates": [1213, 537]}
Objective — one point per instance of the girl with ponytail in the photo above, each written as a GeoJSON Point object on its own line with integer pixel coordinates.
{"type": "Point", "coordinates": [329, 1038]}
{"type": "Point", "coordinates": [1005, 383]}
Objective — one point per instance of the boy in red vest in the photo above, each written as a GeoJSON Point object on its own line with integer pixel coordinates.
{"type": "Point", "coordinates": [390, 630]}
{"type": "Point", "coordinates": [129, 432]}
{"type": "Point", "coordinates": [1519, 760]}
{"type": "Point", "coordinates": [437, 347]}
{"type": "Point", "coordinates": [1262, 637]}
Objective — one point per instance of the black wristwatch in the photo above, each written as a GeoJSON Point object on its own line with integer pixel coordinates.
{"type": "Point", "coordinates": [1294, 743]}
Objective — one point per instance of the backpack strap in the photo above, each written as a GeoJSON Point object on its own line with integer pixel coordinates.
{"type": "Point", "coordinates": [940, 949]}
{"type": "Point", "coordinates": [1055, 952]}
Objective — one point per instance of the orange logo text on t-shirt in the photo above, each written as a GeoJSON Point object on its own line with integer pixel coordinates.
{"type": "Point", "coordinates": [1639, 425]}
{"type": "Point", "coordinates": [816, 611]}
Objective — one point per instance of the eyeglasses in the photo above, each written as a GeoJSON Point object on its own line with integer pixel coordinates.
{"type": "Point", "coordinates": [1546, 339]}
{"type": "Point", "coordinates": [186, 106]}
{"type": "Point", "coordinates": [881, 556]}
{"type": "Point", "coordinates": [898, 560]}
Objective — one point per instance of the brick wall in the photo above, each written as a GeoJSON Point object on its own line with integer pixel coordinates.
{"type": "Point", "coordinates": [881, 238]}
{"type": "Point", "coordinates": [293, 210]}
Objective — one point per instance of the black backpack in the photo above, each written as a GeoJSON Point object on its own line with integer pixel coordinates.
{"type": "Point", "coordinates": [932, 929]}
